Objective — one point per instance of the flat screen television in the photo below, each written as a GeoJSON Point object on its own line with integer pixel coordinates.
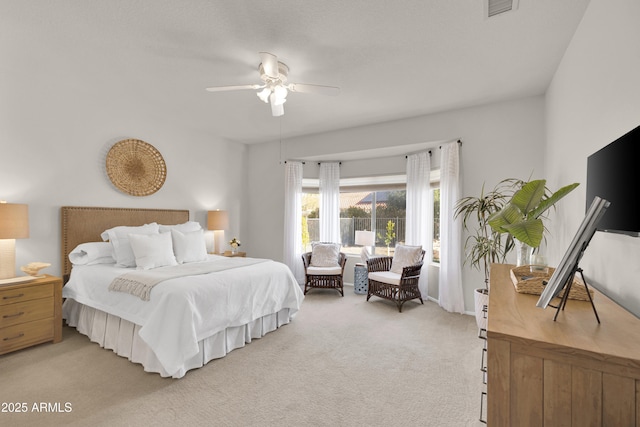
{"type": "Point", "coordinates": [613, 174]}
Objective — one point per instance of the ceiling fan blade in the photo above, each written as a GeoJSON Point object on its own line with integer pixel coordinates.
{"type": "Point", "coordinates": [237, 87]}
{"type": "Point", "coordinates": [317, 89]}
{"type": "Point", "coordinates": [269, 64]}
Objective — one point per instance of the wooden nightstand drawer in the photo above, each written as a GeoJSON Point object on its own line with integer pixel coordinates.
{"type": "Point", "coordinates": [30, 313]}
{"type": "Point", "coordinates": [26, 334]}
{"type": "Point", "coordinates": [25, 293]}
{"type": "Point", "coordinates": [27, 311]}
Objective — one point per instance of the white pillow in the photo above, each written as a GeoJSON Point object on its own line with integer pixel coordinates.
{"type": "Point", "coordinates": [189, 247]}
{"type": "Point", "coordinates": [404, 256]}
{"type": "Point", "coordinates": [324, 254]}
{"type": "Point", "coordinates": [184, 227]}
{"type": "Point", "coordinates": [119, 238]}
{"type": "Point", "coordinates": [152, 250]}
{"type": "Point", "coordinates": [91, 253]}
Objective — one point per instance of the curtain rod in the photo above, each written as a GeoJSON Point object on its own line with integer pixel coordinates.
{"type": "Point", "coordinates": [429, 151]}
{"type": "Point", "coordinates": [459, 143]}
{"type": "Point", "coordinates": [304, 163]}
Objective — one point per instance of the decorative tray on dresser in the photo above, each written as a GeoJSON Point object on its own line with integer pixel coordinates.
{"type": "Point", "coordinates": [30, 313]}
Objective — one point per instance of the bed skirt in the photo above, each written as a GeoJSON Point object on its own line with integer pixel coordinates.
{"type": "Point", "coordinates": [121, 336]}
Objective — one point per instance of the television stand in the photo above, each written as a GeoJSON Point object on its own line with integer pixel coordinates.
{"type": "Point", "coordinates": [570, 373]}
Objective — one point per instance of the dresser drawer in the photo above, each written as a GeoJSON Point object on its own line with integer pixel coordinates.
{"type": "Point", "coordinates": [26, 334]}
{"type": "Point", "coordinates": [25, 293]}
{"type": "Point", "coordinates": [26, 311]}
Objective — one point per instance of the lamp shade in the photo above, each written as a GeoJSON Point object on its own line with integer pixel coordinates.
{"type": "Point", "coordinates": [365, 238]}
{"type": "Point", "coordinates": [217, 220]}
{"type": "Point", "coordinates": [14, 221]}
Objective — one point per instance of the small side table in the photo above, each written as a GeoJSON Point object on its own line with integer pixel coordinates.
{"type": "Point", "coordinates": [360, 279]}
{"type": "Point", "coordinates": [30, 313]}
{"type": "Point", "coordinates": [229, 254]}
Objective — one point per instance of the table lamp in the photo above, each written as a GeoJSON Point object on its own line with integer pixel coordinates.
{"type": "Point", "coordinates": [14, 224]}
{"type": "Point", "coordinates": [218, 221]}
{"type": "Point", "coordinates": [365, 238]}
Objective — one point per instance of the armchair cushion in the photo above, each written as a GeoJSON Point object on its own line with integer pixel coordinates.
{"type": "Point", "coordinates": [385, 277]}
{"type": "Point", "coordinates": [404, 256]}
{"type": "Point", "coordinates": [324, 271]}
{"type": "Point", "coordinates": [325, 254]}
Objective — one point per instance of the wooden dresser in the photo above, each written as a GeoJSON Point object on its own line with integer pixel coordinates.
{"type": "Point", "coordinates": [30, 313]}
{"type": "Point", "coordinates": [571, 372]}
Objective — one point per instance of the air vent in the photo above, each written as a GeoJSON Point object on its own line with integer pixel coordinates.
{"type": "Point", "coordinates": [496, 7]}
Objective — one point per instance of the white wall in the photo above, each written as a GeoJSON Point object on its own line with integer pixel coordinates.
{"type": "Point", "coordinates": [499, 141]}
{"type": "Point", "coordinates": [53, 147]}
{"type": "Point", "coordinates": [593, 99]}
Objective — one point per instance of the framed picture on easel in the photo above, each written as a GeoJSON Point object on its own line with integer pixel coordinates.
{"type": "Point", "coordinates": [568, 266]}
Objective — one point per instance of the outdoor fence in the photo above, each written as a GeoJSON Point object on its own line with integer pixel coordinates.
{"type": "Point", "coordinates": [349, 226]}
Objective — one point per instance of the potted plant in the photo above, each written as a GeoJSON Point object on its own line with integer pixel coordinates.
{"type": "Point", "coordinates": [389, 236]}
{"type": "Point", "coordinates": [522, 217]}
{"type": "Point", "coordinates": [484, 245]}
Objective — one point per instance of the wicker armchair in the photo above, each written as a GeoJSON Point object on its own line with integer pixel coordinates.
{"type": "Point", "coordinates": [399, 288]}
{"type": "Point", "coordinates": [323, 277]}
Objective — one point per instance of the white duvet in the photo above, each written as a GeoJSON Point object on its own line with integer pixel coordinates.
{"type": "Point", "coordinates": [183, 311]}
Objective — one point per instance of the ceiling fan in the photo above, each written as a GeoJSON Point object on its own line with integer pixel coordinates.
{"type": "Point", "coordinates": [275, 88]}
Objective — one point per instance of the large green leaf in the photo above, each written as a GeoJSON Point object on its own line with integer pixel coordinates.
{"type": "Point", "coordinates": [529, 196]}
{"type": "Point", "coordinates": [507, 215]}
{"type": "Point", "coordinates": [547, 203]}
{"type": "Point", "coordinates": [529, 231]}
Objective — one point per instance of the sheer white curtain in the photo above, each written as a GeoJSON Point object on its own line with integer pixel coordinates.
{"type": "Point", "coordinates": [450, 280]}
{"type": "Point", "coordinates": [293, 220]}
{"type": "Point", "coordinates": [330, 202]}
{"type": "Point", "coordinates": [419, 210]}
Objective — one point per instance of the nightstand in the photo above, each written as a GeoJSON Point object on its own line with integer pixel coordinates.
{"type": "Point", "coordinates": [229, 254]}
{"type": "Point", "coordinates": [30, 313]}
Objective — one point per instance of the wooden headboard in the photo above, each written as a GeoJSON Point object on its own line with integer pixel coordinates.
{"type": "Point", "coordinates": [85, 224]}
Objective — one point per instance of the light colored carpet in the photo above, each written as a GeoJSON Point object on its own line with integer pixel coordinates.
{"type": "Point", "coordinates": [341, 362]}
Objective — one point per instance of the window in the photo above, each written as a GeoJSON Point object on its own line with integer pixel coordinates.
{"type": "Point", "coordinates": [382, 212]}
{"type": "Point", "coordinates": [377, 204]}
{"type": "Point", "coordinates": [435, 197]}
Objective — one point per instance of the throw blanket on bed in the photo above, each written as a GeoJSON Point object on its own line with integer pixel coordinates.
{"type": "Point", "coordinates": [140, 282]}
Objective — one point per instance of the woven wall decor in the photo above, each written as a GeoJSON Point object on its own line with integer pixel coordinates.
{"type": "Point", "coordinates": [136, 167]}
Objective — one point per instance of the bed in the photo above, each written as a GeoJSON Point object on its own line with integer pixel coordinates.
{"type": "Point", "coordinates": [220, 305]}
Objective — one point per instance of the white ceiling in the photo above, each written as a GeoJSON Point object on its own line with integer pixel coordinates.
{"type": "Point", "coordinates": [392, 59]}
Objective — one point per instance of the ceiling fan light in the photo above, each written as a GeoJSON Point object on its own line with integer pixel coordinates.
{"type": "Point", "coordinates": [264, 94]}
{"type": "Point", "coordinates": [277, 110]}
{"type": "Point", "coordinates": [280, 91]}
{"type": "Point", "coordinates": [275, 100]}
